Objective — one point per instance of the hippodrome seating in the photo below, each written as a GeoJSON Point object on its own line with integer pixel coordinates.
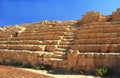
{"type": "Point", "coordinates": [73, 45]}
{"type": "Point", "coordinates": [98, 37]}
{"type": "Point", "coordinates": [53, 39]}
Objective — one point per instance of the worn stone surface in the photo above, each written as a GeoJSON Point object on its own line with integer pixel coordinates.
{"type": "Point", "coordinates": [50, 48]}
{"type": "Point", "coordinates": [71, 45]}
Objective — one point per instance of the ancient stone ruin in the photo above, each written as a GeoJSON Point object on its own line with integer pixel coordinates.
{"type": "Point", "coordinates": [70, 45]}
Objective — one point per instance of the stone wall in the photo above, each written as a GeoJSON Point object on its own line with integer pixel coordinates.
{"type": "Point", "coordinates": [116, 15]}
{"type": "Point", "coordinates": [92, 16]}
{"type": "Point", "coordinates": [90, 61]}
{"type": "Point", "coordinates": [96, 44]}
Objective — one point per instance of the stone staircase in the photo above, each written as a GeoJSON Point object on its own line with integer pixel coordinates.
{"type": "Point", "coordinates": [64, 45]}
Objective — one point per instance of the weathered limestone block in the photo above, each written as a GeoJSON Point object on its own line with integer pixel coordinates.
{"type": "Point", "coordinates": [48, 42]}
{"type": "Point", "coordinates": [79, 41]}
{"type": "Point", "coordinates": [110, 35]}
{"type": "Point", "coordinates": [96, 35]}
{"type": "Point", "coordinates": [113, 30]}
{"type": "Point", "coordinates": [20, 57]}
{"type": "Point", "coordinates": [113, 48]}
{"type": "Point", "coordinates": [40, 33]}
{"type": "Point", "coordinates": [51, 37]}
{"type": "Point", "coordinates": [109, 48]}
{"type": "Point", "coordinates": [84, 31]}
{"type": "Point", "coordinates": [62, 29]}
{"type": "Point", "coordinates": [39, 59]}
{"type": "Point", "coordinates": [55, 64]}
{"type": "Point", "coordinates": [104, 48]}
{"type": "Point", "coordinates": [91, 41]}
{"type": "Point", "coordinates": [63, 64]}
{"type": "Point", "coordinates": [105, 40]}
{"type": "Point", "coordinates": [9, 55]}
{"type": "Point", "coordinates": [50, 48]}
{"type": "Point", "coordinates": [118, 34]}
{"type": "Point", "coordinates": [32, 57]}
{"type": "Point", "coordinates": [107, 59]}
{"type": "Point", "coordinates": [98, 61]}
{"type": "Point", "coordinates": [8, 61]}
{"type": "Point", "coordinates": [1, 60]}
{"type": "Point", "coordinates": [38, 48]}
{"type": "Point", "coordinates": [82, 36]}
{"type": "Point", "coordinates": [4, 55]}
{"type": "Point", "coordinates": [72, 59]}
{"type": "Point", "coordinates": [85, 62]}
{"type": "Point", "coordinates": [93, 48]}
{"type": "Point", "coordinates": [91, 17]}
{"type": "Point", "coordinates": [64, 43]}
{"type": "Point", "coordinates": [89, 48]}
{"type": "Point", "coordinates": [116, 15]}
{"type": "Point", "coordinates": [106, 62]}
{"type": "Point", "coordinates": [80, 48]}
{"type": "Point", "coordinates": [47, 61]}
{"type": "Point", "coordinates": [0, 54]}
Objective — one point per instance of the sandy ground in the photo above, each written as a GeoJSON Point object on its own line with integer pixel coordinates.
{"type": "Point", "coordinates": [13, 72]}
{"type": "Point", "coordinates": [59, 75]}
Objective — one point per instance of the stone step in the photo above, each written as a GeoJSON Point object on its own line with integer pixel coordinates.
{"type": "Point", "coordinates": [98, 41]}
{"type": "Point", "coordinates": [41, 34]}
{"type": "Point", "coordinates": [23, 47]}
{"type": "Point", "coordinates": [3, 39]}
{"type": "Point", "coordinates": [97, 35]}
{"type": "Point", "coordinates": [57, 59]}
{"type": "Point", "coordinates": [46, 37]}
{"type": "Point", "coordinates": [59, 53]}
{"type": "Point", "coordinates": [69, 40]}
{"type": "Point", "coordinates": [61, 49]}
{"type": "Point", "coordinates": [100, 25]}
{"type": "Point", "coordinates": [107, 30]}
{"type": "Point", "coordinates": [62, 56]}
{"type": "Point", "coordinates": [31, 42]}
{"type": "Point", "coordinates": [7, 50]}
{"type": "Point", "coordinates": [27, 51]}
{"type": "Point", "coordinates": [22, 42]}
{"type": "Point", "coordinates": [65, 43]}
{"type": "Point", "coordinates": [96, 48]}
{"type": "Point", "coordinates": [69, 37]}
{"type": "Point", "coordinates": [69, 33]}
{"type": "Point", "coordinates": [64, 46]}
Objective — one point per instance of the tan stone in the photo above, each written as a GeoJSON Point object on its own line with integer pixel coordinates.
{"type": "Point", "coordinates": [80, 48]}
{"type": "Point", "coordinates": [82, 36]}
{"type": "Point", "coordinates": [62, 64]}
{"type": "Point", "coordinates": [50, 42]}
{"type": "Point", "coordinates": [104, 48]}
{"type": "Point", "coordinates": [96, 35]}
{"type": "Point", "coordinates": [88, 43]}
{"type": "Point", "coordinates": [77, 42]}
{"type": "Point", "coordinates": [50, 48]}
{"type": "Point", "coordinates": [110, 35]}
{"type": "Point", "coordinates": [91, 17]}
{"type": "Point", "coordinates": [38, 48]}
{"type": "Point", "coordinates": [72, 58]}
